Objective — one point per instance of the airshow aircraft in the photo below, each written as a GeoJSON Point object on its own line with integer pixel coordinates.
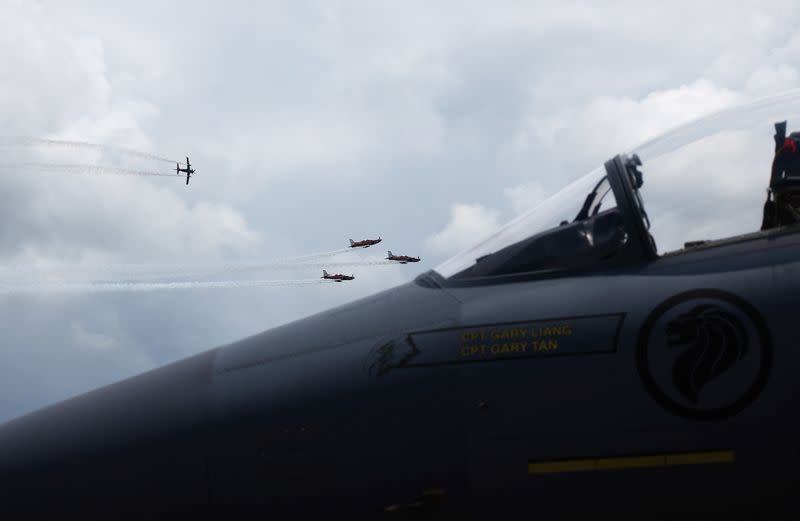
{"type": "Point", "coordinates": [625, 350]}
{"type": "Point", "coordinates": [338, 277]}
{"type": "Point", "coordinates": [366, 243]}
{"type": "Point", "coordinates": [402, 259]}
{"type": "Point", "coordinates": [188, 170]}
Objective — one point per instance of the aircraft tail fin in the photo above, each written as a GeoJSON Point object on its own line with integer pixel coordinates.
{"type": "Point", "coordinates": [390, 253]}
{"type": "Point", "coordinates": [352, 242]}
{"type": "Point", "coordinates": [324, 273]}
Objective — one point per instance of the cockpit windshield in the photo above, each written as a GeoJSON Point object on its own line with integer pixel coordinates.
{"type": "Point", "coordinates": [705, 183]}
{"type": "Point", "coordinates": [581, 223]}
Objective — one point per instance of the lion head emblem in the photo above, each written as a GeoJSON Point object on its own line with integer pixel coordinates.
{"type": "Point", "coordinates": [713, 341]}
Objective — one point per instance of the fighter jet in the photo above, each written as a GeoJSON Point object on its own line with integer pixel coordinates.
{"type": "Point", "coordinates": [366, 243]}
{"type": "Point", "coordinates": [402, 259]}
{"type": "Point", "coordinates": [338, 277]}
{"type": "Point", "coordinates": [188, 170]}
{"type": "Point", "coordinates": [625, 350]}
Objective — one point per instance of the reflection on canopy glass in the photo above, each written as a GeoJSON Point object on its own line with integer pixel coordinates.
{"type": "Point", "coordinates": [577, 225]}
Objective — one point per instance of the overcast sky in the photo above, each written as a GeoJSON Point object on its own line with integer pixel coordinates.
{"type": "Point", "coordinates": [309, 123]}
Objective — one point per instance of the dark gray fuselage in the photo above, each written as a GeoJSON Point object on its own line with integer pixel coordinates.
{"type": "Point", "coordinates": [430, 400]}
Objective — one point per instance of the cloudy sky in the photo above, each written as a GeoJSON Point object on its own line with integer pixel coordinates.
{"type": "Point", "coordinates": [311, 122]}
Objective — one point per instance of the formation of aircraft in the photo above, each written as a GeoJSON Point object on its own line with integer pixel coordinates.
{"type": "Point", "coordinates": [565, 368]}
{"type": "Point", "coordinates": [402, 259]}
{"type": "Point", "coordinates": [337, 277]}
{"type": "Point", "coordinates": [188, 170]}
{"type": "Point", "coordinates": [366, 243]}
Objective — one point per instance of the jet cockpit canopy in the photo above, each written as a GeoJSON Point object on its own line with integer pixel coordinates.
{"type": "Point", "coordinates": [702, 183]}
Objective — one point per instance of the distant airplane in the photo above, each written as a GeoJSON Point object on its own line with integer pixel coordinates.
{"type": "Point", "coordinates": [366, 243]}
{"type": "Point", "coordinates": [188, 170]}
{"type": "Point", "coordinates": [402, 259]}
{"type": "Point", "coordinates": [338, 277]}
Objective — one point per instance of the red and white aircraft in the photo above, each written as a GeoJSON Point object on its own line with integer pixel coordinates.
{"type": "Point", "coordinates": [366, 243]}
{"type": "Point", "coordinates": [402, 259]}
{"type": "Point", "coordinates": [338, 277]}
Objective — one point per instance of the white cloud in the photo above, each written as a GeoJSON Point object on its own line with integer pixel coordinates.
{"type": "Point", "coordinates": [526, 196]}
{"type": "Point", "coordinates": [769, 80]}
{"type": "Point", "coordinates": [92, 340]}
{"type": "Point", "coordinates": [609, 124]}
{"type": "Point", "coordinates": [469, 223]}
{"type": "Point", "coordinates": [57, 84]}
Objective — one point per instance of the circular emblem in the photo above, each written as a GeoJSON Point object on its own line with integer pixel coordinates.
{"type": "Point", "coordinates": [704, 354]}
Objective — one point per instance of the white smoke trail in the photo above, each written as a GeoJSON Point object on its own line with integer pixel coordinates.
{"type": "Point", "coordinates": [288, 262]}
{"type": "Point", "coordinates": [33, 142]}
{"type": "Point", "coordinates": [363, 263]}
{"type": "Point", "coordinates": [173, 272]}
{"type": "Point", "coordinates": [311, 256]}
{"type": "Point", "coordinates": [296, 265]}
{"type": "Point", "coordinates": [93, 287]}
{"type": "Point", "coordinates": [84, 169]}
